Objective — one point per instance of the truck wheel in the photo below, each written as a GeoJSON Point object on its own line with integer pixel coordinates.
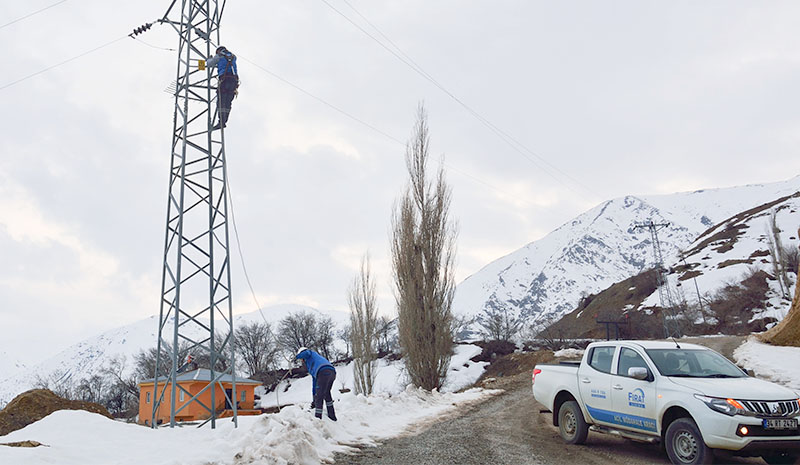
{"type": "Point", "coordinates": [571, 425]}
{"type": "Point", "coordinates": [781, 458]}
{"type": "Point", "coordinates": [685, 445]}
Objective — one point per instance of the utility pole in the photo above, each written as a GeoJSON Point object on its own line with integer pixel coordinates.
{"type": "Point", "coordinates": [196, 281]}
{"type": "Point", "coordinates": [671, 325]}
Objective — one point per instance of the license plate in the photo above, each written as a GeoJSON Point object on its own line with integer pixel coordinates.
{"type": "Point", "coordinates": [780, 423]}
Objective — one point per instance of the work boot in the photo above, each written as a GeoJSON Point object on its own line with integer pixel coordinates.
{"type": "Point", "coordinates": [331, 413]}
{"type": "Point", "coordinates": [318, 412]}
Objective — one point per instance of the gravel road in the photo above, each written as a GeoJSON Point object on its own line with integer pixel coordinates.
{"type": "Point", "coordinates": [508, 429]}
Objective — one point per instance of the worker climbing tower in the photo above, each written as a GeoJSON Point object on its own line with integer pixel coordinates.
{"type": "Point", "coordinates": [196, 315]}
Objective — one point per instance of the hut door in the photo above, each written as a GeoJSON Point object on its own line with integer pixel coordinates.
{"type": "Point", "coordinates": [228, 397]}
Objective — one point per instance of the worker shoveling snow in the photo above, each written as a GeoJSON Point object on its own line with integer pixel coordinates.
{"type": "Point", "coordinates": [290, 436]}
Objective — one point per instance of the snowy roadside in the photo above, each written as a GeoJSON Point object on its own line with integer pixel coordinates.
{"type": "Point", "coordinates": [291, 436]}
{"type": "Point", "coordinates": [775, 363]}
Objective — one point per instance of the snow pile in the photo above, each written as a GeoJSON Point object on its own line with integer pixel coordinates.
{"type": "Point", "coordinates": [390, 379]}
{"type": "Point", "coordinates": [569, 353]}
{"type": "Point", "coordinates": [291, 436]}
{"type": "Point", "coordinates": [775, 363]}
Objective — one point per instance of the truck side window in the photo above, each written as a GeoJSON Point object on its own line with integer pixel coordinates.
{"type": "Point", "coordinates": [601, 357]}
{"type": "Point", "coordinates": [629, 359]}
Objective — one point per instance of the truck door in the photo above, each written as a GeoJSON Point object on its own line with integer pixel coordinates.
{"type": "Point", "coordinates": [594, 380]}
{"type": "Point", "coordinates": [633, 400]}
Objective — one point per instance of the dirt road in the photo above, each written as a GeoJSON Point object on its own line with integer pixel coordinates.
{"type": "Point", "coordinates": [508, 429]}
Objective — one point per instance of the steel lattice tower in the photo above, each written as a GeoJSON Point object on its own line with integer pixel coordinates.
{"type": "Point", "coordinates": [671, 326]}
{"type": "Point", "coordinates": [196, 310]}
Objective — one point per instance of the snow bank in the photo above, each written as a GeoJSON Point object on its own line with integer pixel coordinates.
{"type": "Point", "coordinates": [291, 436]}
{"type": "Point", "coordinates": [775, 363]}
{"type": "Point", "coordinates": [569, 353]}
{"type": "Point", "coordinates": [390, 379]}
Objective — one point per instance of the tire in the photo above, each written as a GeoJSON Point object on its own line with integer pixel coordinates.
{"type": "Point", "coordinates": [685, 444]}
{"type": "Point", "coordinates": [571, 424]}
{"type": "Point", "coordinates": [781, 458]}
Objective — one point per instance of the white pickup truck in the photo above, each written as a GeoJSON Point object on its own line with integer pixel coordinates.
{"type": "Point", "coordinates": [689, 397]}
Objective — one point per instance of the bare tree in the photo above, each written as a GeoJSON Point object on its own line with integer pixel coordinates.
{"type": "Point", "coordinates": [256, 347]}
{"type": "Point", "coordinates": [297, 330]}
{"type": "Point", "coordinates": [324, 336]}
{"type": "Point", "coordinates": [344, 335]}
{"type": "Point", "coordinates": [58, 381]}
{"type": "Point", "coordinates": [423, 257]}
{"type": "Point", "coordinates": [363, 324]}
{"type": "Point", "coordinates": [386, 331]}
{"type": "Point", "coordinates": [305, 329]}
{"type": "Point", "coordinates": [499, 324]}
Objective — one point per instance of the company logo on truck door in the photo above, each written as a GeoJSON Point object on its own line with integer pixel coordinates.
{"type": "Point", "coordinates": [599, 393]}
{"type": "Point", "coordinates": [636, 398]}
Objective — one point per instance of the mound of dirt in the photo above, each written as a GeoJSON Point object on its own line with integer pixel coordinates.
{"type": "Point", "coordinates": [513, 368]}
{"type": "Point", "coordinates": [31, 406]}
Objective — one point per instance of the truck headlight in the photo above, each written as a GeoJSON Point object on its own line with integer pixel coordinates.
{"type": "Point", "coordinates": [727, 406]}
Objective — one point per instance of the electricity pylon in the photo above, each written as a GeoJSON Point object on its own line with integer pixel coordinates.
{"type": "Point", "coordinates": [671, 325]}
{"type": "Point", "coordinates": [196, 314]}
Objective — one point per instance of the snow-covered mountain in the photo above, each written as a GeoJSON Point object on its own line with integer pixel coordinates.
{"type": "Point", "coordinates": [90, 356]}
{"type": "Point", "coordinates": [546, 278]}
{"type": "Point", "coordinates": [9, 366]}
{"type": "Point", "coordinates": [736, 247]}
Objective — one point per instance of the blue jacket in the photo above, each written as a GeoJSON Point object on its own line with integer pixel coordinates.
{"type": "Point", "coordinates": [221, 62]}
{"type": "Point", "coordinates": [314, 363]}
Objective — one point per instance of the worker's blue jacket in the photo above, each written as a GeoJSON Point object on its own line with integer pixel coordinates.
{"type": "Point", "coordinates": [221, 62]}
{"type": "Point", "coordinates": [314, 363]}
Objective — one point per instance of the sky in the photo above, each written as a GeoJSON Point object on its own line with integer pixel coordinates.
{"type": "Point", "coordinates": [605, 99]}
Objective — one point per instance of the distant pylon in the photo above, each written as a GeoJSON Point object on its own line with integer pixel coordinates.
{"type": "Point", "coordinates": [671, 324]}
{"type": "Point", "coordinates": [196, 281]}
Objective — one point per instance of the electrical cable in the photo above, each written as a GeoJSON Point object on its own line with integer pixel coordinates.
{"type": "Point", "coordinates": [239, 247]}
{"type": "Point", "coordinates": [153, 46]}
{"type": "Point", "coordinates": [31, 14]}
{"type": "Point", "coordinates": [5, 86]}
{"type": "Point", "coordinates": [378, 131]}
{"type": "Point", "coordinates": [330, 105]}
{"type": "Point", "coordinates": [507, 138]}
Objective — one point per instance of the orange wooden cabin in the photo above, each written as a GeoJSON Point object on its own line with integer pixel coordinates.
{"type": "Point", "coordinates": [194, 382]}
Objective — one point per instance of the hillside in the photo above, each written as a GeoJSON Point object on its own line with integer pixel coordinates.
{"type": "Point", "coordinates": [731, 266]}
{"type": "Point", "coordinates": [548, 278]}
{"type": "Point", "coordinates": [89, 356]}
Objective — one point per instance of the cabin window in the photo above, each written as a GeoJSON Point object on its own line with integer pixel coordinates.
{"type": "Point", "coordinates": [183, 396]}
{"type": "Point", "coordinates": [600, 358]}
{"type": "Point", "coordinates": [148, 397]}
{"type": "Point", "coordinates": [244, 396]}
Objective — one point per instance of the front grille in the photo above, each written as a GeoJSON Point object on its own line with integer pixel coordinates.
{"type": "Point", "coordinates": [781, 408]}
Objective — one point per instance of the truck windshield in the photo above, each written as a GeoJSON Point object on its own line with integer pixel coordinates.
{"type": "Point", "coordinates": [691, 363]}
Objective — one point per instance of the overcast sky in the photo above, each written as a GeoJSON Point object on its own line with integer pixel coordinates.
{"type": "Point", "coordinates": [611, 98]}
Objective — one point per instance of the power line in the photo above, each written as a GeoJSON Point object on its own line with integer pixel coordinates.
{"type": "Point", "coordinates": [324, 102]}
{"type": "Point", "coordinates": [31, 14]}
{"type": "Point", "coordinates": [239, 248]}
{"type": "Point", "coordinates": [62, 63]}
{"type": "Point", "coordinates": [373, 128]}
{"type": "Point", "coordinates": [515, 144]}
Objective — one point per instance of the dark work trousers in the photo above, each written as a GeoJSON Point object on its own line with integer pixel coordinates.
{"type": "Point", "coordinates": [325, 378]}
{"type": "Point", "coordinates": [225, 94]}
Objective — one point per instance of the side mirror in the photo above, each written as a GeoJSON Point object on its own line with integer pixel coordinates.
{"type": "Point", "coordinates": [638, 373]}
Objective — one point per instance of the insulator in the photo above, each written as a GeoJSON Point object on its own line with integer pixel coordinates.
{"type": "Point", "coordinates": [142, 28]}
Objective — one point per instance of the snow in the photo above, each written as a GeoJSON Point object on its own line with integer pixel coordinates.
{"type": "Point", "coordinates": [569, 353]}
{"type": "Point", "coordinates": [291, 436]}
{"type": "Point", "coordinates": [774, 363]}
{"type": "Point", "coordinates": [390, 379]}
